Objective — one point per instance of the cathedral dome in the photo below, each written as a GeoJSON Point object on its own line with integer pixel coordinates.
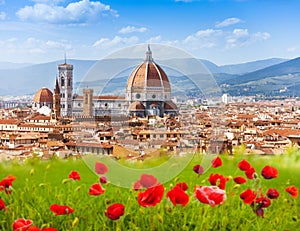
{"type": "Point", "coordinates": [43, 95]}
{"type": "Point", "coordinates": [148, 76]}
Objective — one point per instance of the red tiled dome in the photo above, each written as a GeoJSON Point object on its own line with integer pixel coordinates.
{"type": "Point", "coordinates": [43, 95]}
{"type": "Point", "coordinates": [148, 75]}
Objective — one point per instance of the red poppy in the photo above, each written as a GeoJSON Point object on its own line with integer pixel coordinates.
{"type": "Point", "coordinates": [74, 175]}
{"type": "Point", "coordinates": [248, 196]}
{"type": "Point", "coordinates": [211, 195]}
{"type": "Point", "coordinates": [21, 224]}
{"type": "Point", "coordinates": [250, 173]}
{"type": "Point", "coordinates": [293, 191]}
{"type": "Point", "coordinates": [115, 211]}
{"type": "Point", "coordinates": [178, 196]}
{"type": "Point", "coordinates": [100, 168]}
{"type": "Point", "coordinates": [137, 186]}
{"type": "Point", "coordinates": [96, 190]}
{"type": "Point", "coordinates": [217, 162]}
{"type": "Point", "coordinates": [198, 169]}
{"type": "Point", "coordinates": [214, 178]}
{"type": "Point", "coordinates": [2, 204]}
{"type": "Point", "coordinates": [6, 184]}
{"type": "Point", "coordinates": [103, 180]}
{"type": "Point", "coordinates": [147, 180]}
{"type": "Point", "coordinates": [259, 212]}
{"type": "Point", "coordinates": [151, 196]}
{"type": "Point", "coordinates": [61, 209]}
{"type": "Point", "coordinates": [183, 186]}
{"type": "Point", "coordinates": [263, 202]}
{"type": "Point", "coordinates": [244, 165]}
{"type": "Point", "coordinates": [272, 193]}
{"type": "Point", "coordinates": [269, 172]}
{"type": "Point", "coordinates": [240, 180]}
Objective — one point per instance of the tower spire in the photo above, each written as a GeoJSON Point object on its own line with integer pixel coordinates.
{"type": "Point", "coordinates": [149, 55]}
{"type": "Point", "coordinates": [65, 58]}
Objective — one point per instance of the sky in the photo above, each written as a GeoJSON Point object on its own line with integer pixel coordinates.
{"type": "Point", "coordinates": [221, 31]}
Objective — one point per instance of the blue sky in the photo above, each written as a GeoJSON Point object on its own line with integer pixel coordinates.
{"type": "Point", "coordinates": [222, 31]}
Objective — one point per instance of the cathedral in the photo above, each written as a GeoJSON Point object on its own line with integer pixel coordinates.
{"type": "Point", "coordinates": [148, 93]}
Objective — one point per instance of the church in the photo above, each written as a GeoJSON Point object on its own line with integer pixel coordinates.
{"type": "Point", "coordinates": [148, 93]}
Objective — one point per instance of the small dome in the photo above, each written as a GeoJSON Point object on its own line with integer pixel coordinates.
{"type": "Point", "coordinates": [44, 95]}
{"type": "Point", "coordinates": [136, 106]}
{"type": "Point", "coordinates": [170, 106]}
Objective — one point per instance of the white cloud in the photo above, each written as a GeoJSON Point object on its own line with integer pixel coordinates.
{"type": "Point", "coordinates": [117, 41]}
{"type": "Point", "coordinates": [242, 37]}
{"type": "Point", "coordinates": [76, 12]}
{"type": "Point", "coordinates": [292, 49]}
{"type": "Point", "coordinates": [2, 15]}
{"type": "Point", "coordinates": [156, 39]}
{"type": "Point", "coordinates": [131, 29]}
{"type": "Point", "coordinates": [203, 39]}
{"type": "Point", "coordinates": [228, 22]}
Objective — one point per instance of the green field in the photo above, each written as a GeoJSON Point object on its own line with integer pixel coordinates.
{"type": "Point", "coordinates": [40, 184]}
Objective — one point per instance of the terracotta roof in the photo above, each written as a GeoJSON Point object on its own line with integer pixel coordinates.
{"type": "Point", "coordinates": [9, 121]}
{"type": "Point", "coordinates": [136, 106]}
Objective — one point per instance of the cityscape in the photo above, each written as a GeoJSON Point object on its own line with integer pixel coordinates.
{"type": "Point", "coordinates": [145, 122]}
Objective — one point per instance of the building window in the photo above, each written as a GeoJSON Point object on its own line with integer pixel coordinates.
{"type": "Point", "coordinates": [62, 81]}
{"type": "Point", "coordinates": [79, 104]}
{"type": "Point", "coordinates": [69, 105]}
{"type": "Point", "coordinates": [137, 96]}
{"type": "Point", "coordinates": [153, 96]}
{"type": "Point", "coordinates": [69, 82]}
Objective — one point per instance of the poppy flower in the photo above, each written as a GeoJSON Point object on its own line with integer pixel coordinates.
{"type": "Point", "coordinates": [244, 165]}
{"type": "Point", "coordinates": [61, 209]}
{"type": "Point", "coordinates": [178, 196]}
{"type": "Point", "coordinates": [272, 193]}
{"type": "Point", "coordinates": [103, 180]}
{"type": "Point", "coordinates": [151, 196]}
{"type": "Point", "coordinates": [2, 204]}
{"type": "Point", "coordinates": [21, 224]}
{"type": "Point", "coordinates": [115, 211]}
{"type": "Point", "coordinates": [215, 178]}
{"type": "Point", "coordinates": [6, 184]}
{"type": "Point", "coordinates": [137, 186]}
{"type": "Point", "coordinates": [74, 175]}
{"type": "Point", "coordinates": [250, 173]}
{"type": "Point", "coordinates": [211, 195]}
{"type": "Point", "coordinates": [292, 190]}
{"type": "Point", "coordinates": [147, 180]}
{"type": "Point", "coordinates": [259, 212]}
{"type": "Point", "coordinates": [198, 169]}
{"type": "Point", "coordinates": [263, 202]}
{"type": "Point", "coordinates": [100, 168]}
{"type": "Point", "coordinates": [248, 196]}
{"type": "Point", "coordinates": [217, 162]}
{"type": "Point", "coordinates": [96, 190]}
{"type": "Point", "coordinates": [269, 172]}
{"type": "Point", "coordinates": [183, 186]}
{"type": "Point", "coordinates": [240, 180]}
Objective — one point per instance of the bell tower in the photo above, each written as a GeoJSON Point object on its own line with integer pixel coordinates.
{"type": "Point", "coordinates": [56, 101]}
{"type": "Point", "coordinates": [65, 83]}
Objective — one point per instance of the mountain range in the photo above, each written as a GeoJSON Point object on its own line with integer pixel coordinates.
{"type": "Point", "coordinates": [270, 77]}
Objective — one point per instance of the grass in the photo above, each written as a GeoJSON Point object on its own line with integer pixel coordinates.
{"type": "Point", "coordinates": [40, 184]}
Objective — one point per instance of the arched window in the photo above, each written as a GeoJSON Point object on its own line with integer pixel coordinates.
{"type": "Point", "coordinates": [62, 81]}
